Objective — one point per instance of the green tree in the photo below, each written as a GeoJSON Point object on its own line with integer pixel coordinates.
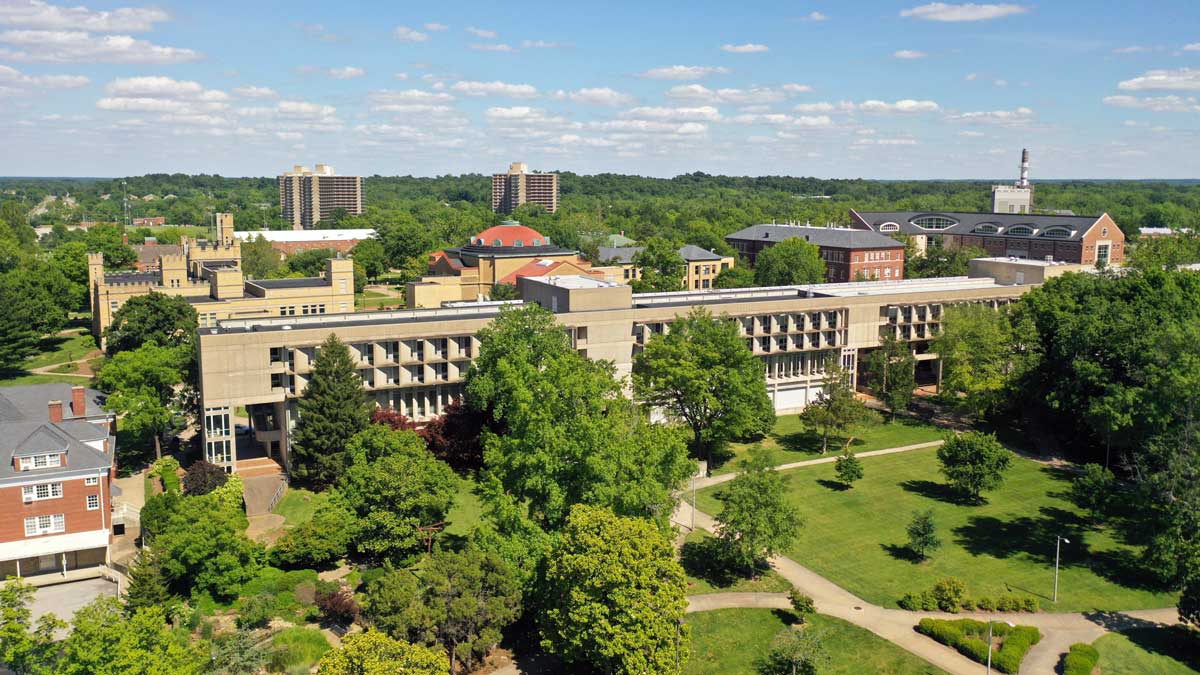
{"type": "Point", "coordinates": [394, 494]}
{"type": "Point", "coordinates": [237, 653]}
{"type": "Point", "coordinates": [392, 603]}
{"type": "Point", "coordinates": [107, 239]}
{"type": "Point", "coordinates": [260, 260]}
{"type": "Point", "coordinates": [1189, 602]}
{"type": "Point", "coordinates": [797, 651]}
{"type": "Point", "coordinates": [318, 542]}
{"type": "Point", "coordinates": [71, 260]}
{"type": "Point", "coordinates": [661, 267]}
{"type": "Point", "coordinates": [976, 347]}
{"type": "Point", "coordinates": [25, 647]}
{"type": "Point", "coordinates": [158, 317]}
{"type": "Point", "coordinates": [373, 653]}
{"type": "Point", "coordinates": [974, 462]}
{"type": "Point", "coordinates": [734, 277]}
{"type": "Point", "coordinates": [504, 292]}
{"type": "Point", "coordinates": [104, 641]}
{"type": "Point", "coordinates": [893, 372]}
{"type": "Point", "coordinates": [142, 389]}
{"type": "Point", "coordinates": [30, 311]}
{"type": "Point", "coordinates": [922, 534]}
{"type": "Point", "coordinates": [614, 595]}
{"type": "Point", "coordinates": [371, 255]}
{"type": "Point", "coordinates": [837, 410]}
{"type": "Point", "coordinates": [333, 409]}
{"type": "Point", "coordinates": [791, 261]}
{"type": "Point", "coordinates": [848, 468]}
{"type": "Point", "coordinates": [204, 548]}
{"type": "Point", "coordinates": [147, 584]}
{"type": "Point", "coordinates": [757, 520]}
{"type": "Point", "coordinates": [1094, 489]}
{"type": "Point", "coordinates": [702, 373]}
{"type": "Point", "coordinates": [940, 261]}
{"type": "Point", "coordinates": [310, 262]}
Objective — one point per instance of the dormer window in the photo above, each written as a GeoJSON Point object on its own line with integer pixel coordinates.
{"type": "Point", "coordinates": [48, 461]}
{"type": "Point", "coordinates": [537, 242]}
{"type": "Point", "coordinates": [498, 242]}
{"type": "Point", "coordinates": [987, 228]}
{"type": "Point", "coordinates": [518, 243]}
{"type": "Point", "coordinates": [934, 222]}
{"type": "Point", "coordinates": [1020, 231]}
{"type": "Point", "coordinates": [889, 227]}
{"type": "Point", "coordinates": [1057, 233]}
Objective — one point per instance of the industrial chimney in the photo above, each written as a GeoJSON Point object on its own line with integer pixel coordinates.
{"type": "Point", "coordinates": [1024, 181]}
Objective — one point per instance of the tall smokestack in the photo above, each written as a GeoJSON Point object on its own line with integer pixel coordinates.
{"type": "Point", "coordinates": [1024, 182]}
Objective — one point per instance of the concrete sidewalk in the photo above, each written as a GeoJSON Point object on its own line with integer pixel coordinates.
{"type": "Point", "coordinates": [702, 483]}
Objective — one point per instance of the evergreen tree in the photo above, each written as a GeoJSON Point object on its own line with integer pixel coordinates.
{"type": "Point", "coordinates": [848, 468]}
{"type": "Point", "coordinates": [332, 410]}
{"type": "Point", "coordinates": [147, 584]}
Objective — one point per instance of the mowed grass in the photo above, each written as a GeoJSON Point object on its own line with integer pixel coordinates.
{"type": "Point", "coordinates": [297, 506]}
{"type": "Point", "coordinates": [1149, 651]}
{"type": "Point", "coordinates": [466, 512]}
{"type": "Point", "coordinates": [732, 641]}
{"type": "Point", "coordinates": [856, 538]}
{"type": "Point", "coordinates": [62, 348]}
{"type": "Point", "coordinates": [790, 441]}
{"type": "Point", "coordinates": [706, 575]}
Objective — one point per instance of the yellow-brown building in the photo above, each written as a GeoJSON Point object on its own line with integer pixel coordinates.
{"type": "Point", "coordinates": [208, 274]}
{"type": "Point", "coordinates": [701, 266]}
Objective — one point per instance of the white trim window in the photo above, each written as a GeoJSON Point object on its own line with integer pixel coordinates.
{"type": "Point", "coordinates": [39, 525]}
{"type": "Point", "coordinates": [49, 461]}
{"type": "Point", "coordinates": [91, 481]}
{"type": "Point", "coordinates": [93, 502]}
{"type": "Point", "coordinates": [36, 493]}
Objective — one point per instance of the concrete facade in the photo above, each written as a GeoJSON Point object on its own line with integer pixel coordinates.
{"type": "Point", "coordinates": [308, 197]}
{"type": "Point", "coordinates": [519, 186]}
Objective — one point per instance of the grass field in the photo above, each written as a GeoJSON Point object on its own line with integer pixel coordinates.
{"type": "Point", "coordinates": [63, 348]}
{"type": "Point", "coordinates": [856, 538]}
{"type": "Point", "coordinates": [466, 512]}
{"type": "Point", "coordinates": [729, 641]}
{"type": "Point", "coordinates": [297, 649]}
{"type": "Point", "coordinates": [703, 576]}
{"type": "Point", "coordinates": [297, 506]}
{"type": "Point", "coordinates": [1149, 651]}
{"type": "Point", "coordinates": [791, 442]}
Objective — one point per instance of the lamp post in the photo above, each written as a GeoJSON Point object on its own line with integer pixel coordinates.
{"type": "Point", "coordinates": [1057, 549]}
{"type": "Point", "coordinates": [693, 503]}
{"type": "Point", "coordinates": [989, 660]}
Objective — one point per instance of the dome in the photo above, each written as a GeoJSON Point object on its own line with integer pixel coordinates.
{"type": "Point", "coordinates": [510, 233]}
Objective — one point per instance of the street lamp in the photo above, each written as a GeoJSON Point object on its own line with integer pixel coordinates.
{"type": "Point", "coordinates": [989, 663]}
{"type": "Point", "coordinates": [1057, 548]}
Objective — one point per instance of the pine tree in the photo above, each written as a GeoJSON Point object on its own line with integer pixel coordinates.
{"type": "Point", "coordinates": [147, 585]}
{"type": "Point", "coordinates": [848, 468]}
{"type": "Point", "coordinates": [922, 534]}
{"type": "Point", "coordinates": [333, 409]}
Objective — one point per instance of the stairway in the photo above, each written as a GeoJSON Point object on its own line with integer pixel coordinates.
{"type": "Point", "coordinates": [263, 481]}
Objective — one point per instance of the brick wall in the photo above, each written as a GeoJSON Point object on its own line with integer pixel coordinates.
{"type": "Point", "coordinates": [73, 504]}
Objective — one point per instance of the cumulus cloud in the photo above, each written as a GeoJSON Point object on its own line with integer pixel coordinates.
{"type": "Point", "coordinates": [1018, 117]}
{"type": "Point", "coordinates": [483, 33]}
{"type": "Point", "coordinates": [1193, 47]}
{"type": "Point", "coordinates": [697, 92]}
{"type": "Point", "coordinates": [1135, 49]}
{"type": "Point", "coordinates": [970, 134]}
{"type": "Point", "coordinates": [497, 88]}
{"type": "Point", "coordinates": [13, 79]}
{"type": "Point", "coordinates": [941, 11]}
{"type": "Point", "coordinates": [491, 47]}
{"type": "Point", "coordinates": [594, 96]}
{"type": "Point", "coordinates": [435, 26]}
{"type": "Point", "coordinates": [1155, 103]}
{"type": "Point", "coordinates": [386, 100]}
{"type": "Point", "coordinates": [885, 141]}
{"type": "Point", "coordinates": [683, 72]}
{"type": "Point", "coordinates": [82, 47]}
{"type": "Point", "coordinates": [907, 105]}
{"type": "Point", "coordinates": [814, 16]}
{"type": "Point", "coordinates": [696, 114]}
{"type": "Point", "coordinates": [406, 34]}
{"type": "Point", "coordinates": [163, 87]}
{"type": "Point", "coordinates": [650, 126]}
{"type": "Point", "coordinates": [748, 48]}
{"type": "Point", "coordinates": [347, 73]}
{"type": "Point", "coordinates": [250, 91]}
{"type": "Point", "coordinates": [971, 77]}
{"type": "Point", "coordinates": [542, 44]}
{"type": "Point", "coordinates": [814, 107]}
{"type": "Point", "coordinates": [1182, 79]}
{"type": "Point", "coordinates": [42, 15]}
{"type": "Point", "coordinates": [908, 54]}
{"type": "Point", "coordinates": [785, 120]}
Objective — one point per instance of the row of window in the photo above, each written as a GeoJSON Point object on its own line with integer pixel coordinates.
{"type": "Point", "coordinates": [56, 523]}
{"type": "Point", "coordinates": [207, 319]}
{"type": "Point", "coordinates": [290, 310]}
{"type": "Point", "coordinates": [41, 491]}
{"type": "Point", "coordinates": [47, 461]}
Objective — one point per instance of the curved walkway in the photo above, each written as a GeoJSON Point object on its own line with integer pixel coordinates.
{"type": "Point", "coordinates": [1059, 631]}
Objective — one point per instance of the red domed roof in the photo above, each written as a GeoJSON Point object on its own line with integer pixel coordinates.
{"type": "Point", "coordinates": [510, 233]}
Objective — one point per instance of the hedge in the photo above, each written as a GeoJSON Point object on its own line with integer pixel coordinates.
{"type": "Point", "coordinates": [969, 638]}
{"type": "Point", "coordinates": [167, 469]}
{"type": "Point", "coordinates": [1080, 660]}
{"type": "Point", "coordinates": [932, 601]}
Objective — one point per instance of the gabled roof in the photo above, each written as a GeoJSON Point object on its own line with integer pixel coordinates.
{"type": "Point", "coordinates": [624, 254]}
{"type": "Point", "coordinates": [830, 237]}
{"type": "Point", "coordinates": [26, 430]}
{"type": "Point", "coordinates": [693, 253]}
{"type": "Point", "coordinates": [965, 223]}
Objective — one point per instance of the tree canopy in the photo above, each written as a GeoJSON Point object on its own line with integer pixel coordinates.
{"type": "Point", "coordinates": [791, 261]}
{"type": "Point", "coordinates": [333, 409]}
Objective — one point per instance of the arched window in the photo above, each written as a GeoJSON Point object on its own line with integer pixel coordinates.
{"type": "Point", "coordinates": [1020, 231]}
{"type": "Point", "coordinates": [518, 243]}
{"type": "Point", "coordinates": [1057, 233]}
{"type": "Point", "coordinates": [498, 242]}
{"type": "Point", "coordinates": [987, 228]}
{"type": "Point", "coordinates": [537, 242]}
{"type": "Point", "coordinates": [934, 222]}
{"type": "Point", "coordinates": [889, 227]}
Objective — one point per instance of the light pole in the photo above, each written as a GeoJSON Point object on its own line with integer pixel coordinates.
{"type": "Point", "coordinates": [1059, 539]}
{"type": "Point", "coordinates": [989, 663]}
{"type": "Point", "coordinates": [693, 502]}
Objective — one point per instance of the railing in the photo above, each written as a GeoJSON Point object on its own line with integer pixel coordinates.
{"type": "Point", "coordinates": [279, 491]}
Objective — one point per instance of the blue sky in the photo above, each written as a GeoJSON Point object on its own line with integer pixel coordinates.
{"type": "Point", "coordinates": [848, 89]}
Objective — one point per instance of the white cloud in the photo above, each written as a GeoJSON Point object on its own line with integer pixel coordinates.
{"type": "Point", "coordinates": [251, 91]}
{"type": "Point", "coordinates": [785, 120]}
{"type": "Point", "coordinates": [697, 114]}
{"type": "Point", "coordinates": [908, 54]}
{"type": "Point", "coordinates": [81, 47]}
{"type": "Point", "coordinates": [1193, 47]}
{"type": "Point", "coordinates": [483, 33]}
{"type": "Point", "coordinates": [406, 34]}
{"type": "Point", "coordinates": [594, 96]}
{"type": "Point", "coordinates": [907, 105]}
{"type": "Point", "coordinates": [813, 107]}
{"type": "Point", "coordinates": [163, 87]}
{"type": "Point", "coordinates": [697, 92]}
{"type": "Point", "coordinates": [1017, 117]}
{"type": "Point", "coordinates": [304, 110]}
{"type": "Point", "coordinates": [13, 78]}
{"type": "Point", "coordinates": [145, 104]}
{"type": "Point", "coordinates": [650, 126]}
{"type": "Point", "coordinates": [941, 11]}
{"type": "Point", "coordinates": [400, 76]}
{"type": "Point", "coordinates": [347, 73]}
{"type": "Point", "coordinates": [970, 134]}
{"type": "Point", "coordinates": [497, 47]}
{"type": "Point", "coordinates": [542, 44]}
{"type": "Point", "coordinates": [1000, 83]}
{"type": "Point", "coordinates": [289, 135]}
{"type": "Point", "coordinates": [384, 100]}
{"type": "Point", "coordinates": [1155, 103]}
{"type": "Point", "coordinates": [683, 72]}
{"type": "Point", "coordinates": [1183, 79]}
{"type": "Point", "coordinates": [971, 77]}
{"type": "Point", "coordinates": [748, 48]}
{"type": "Point", "coordinates": [41, 15]}
{"type": "Point", "coordinates": [497, 88]}
{"type": "Point", "coordinates": [434, 26]}
{"type": "Point", "coordinates": [1136, 49]}
{"type": "Point", "coordinates": [814, 16]}
{"type": "Point", "coordinates": [885, 141]}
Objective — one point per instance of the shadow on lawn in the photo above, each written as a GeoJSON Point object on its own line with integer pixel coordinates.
{"type": "Point", "coordinates": [836, 486]}
{"type": "Point", "coordinates": [1175, 642]}
{"type": "Point", "coordinates": [938, 492]}
{"type": "Point", "coordinates": [1033, 536]}
{"type": "Point", "coordinates": [902, 552]}
{"type": "Point", "coordinates": [706, 561]}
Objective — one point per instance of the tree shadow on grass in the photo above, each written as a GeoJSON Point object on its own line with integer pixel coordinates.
{"type": "Point", "coordinates": [836, 486]}
{"type": "Point", "coordinates": [1125, 568]}
{"type": "Point", "coordinates": [706, 560]}
{"type": "Point", "coordinates": [1175, 642]}
{"type": "Point", "coordinates": [1033, 536]}
{"type": "Point", "coordinates": [901, 552]}
{"type": "Point", "coordinates": [938, 492]}
{"type": "Point", "coordinates": [806, 441]}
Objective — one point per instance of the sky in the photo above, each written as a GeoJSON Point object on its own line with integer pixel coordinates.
{"type": "Point", "coordinates": [885, 90]}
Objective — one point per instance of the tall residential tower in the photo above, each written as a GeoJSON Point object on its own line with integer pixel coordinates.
{"type": "Point", "coordinates": [308, 197]}
{"type": "Point", "coordinates": [518, 186]}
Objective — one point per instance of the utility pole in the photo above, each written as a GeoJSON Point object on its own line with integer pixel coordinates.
{"type": "Point", "coordinates": [1058, 541]}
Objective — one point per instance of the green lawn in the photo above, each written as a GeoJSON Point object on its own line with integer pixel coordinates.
{"type": "Point", "coordinates": [791, 442]}
{"type": "Point", "coordinates": [856, 537]}
{"type": "Point", "coordinates": [369, 302]}
{"type": "Point", "coordinates": [703, 576]}
{"type": "Point", "coordinates": [1149, 651]}
{"type": "Point", "coordinates": [62, 348]}
{"type": "Point", "coordinates": [466, 512]}
{"type": "Point", "coordinates": [297, 649]}
{"type": "Point", "coordinates": [730, 641]}
{"type": "Point", "coordinates": [298, 505]}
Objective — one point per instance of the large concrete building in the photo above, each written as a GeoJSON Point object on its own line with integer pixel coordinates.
{"type": "Point", "coordinates": [848, 254]}
{"type": "Point", "coordinates": [1089, 240]}
{"type": "Point", "coordinates": [518, 186]}
{"type": "Point", "coordinates": [415, 360]}
{"type": "Point", "coordinates": [308, 197]}
{"type": "Point", "coordinates": [57, 462]}
{"type": "Point", "coordinates": [208, 274]}
{"type": "Point", "coordinates": [701, 266]}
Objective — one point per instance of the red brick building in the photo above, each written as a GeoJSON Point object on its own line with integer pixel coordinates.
{"type": "Point", "coordinates": [848, 254]}
{"type": "Point", "coordinates": [57, 461]}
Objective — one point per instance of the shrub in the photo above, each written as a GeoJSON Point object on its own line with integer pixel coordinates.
{"type": "Point", "coordinates": [203, 477]}
{"type": "Point", "coordinates": [969, 638]}
{"type": "Point", "coordinates": [1080, 660]}
{"type": "Point", "coordinates": [167, 469]}
{"type": "Point", "coordinates": [317, 543]}
{"type": "Point", "coordinates": [801, 603]}
{"type": "Point", "coordinates": [949, 594]}
{"type": "Point", "coordinates": [229, 494]}
{"type": "Point", "coordinates": [1030, 604]}
{"type": "Point", "coordinates": [986, 604]}
{"type": "Point", "coordinates": [297, 646]}
{"type": "Point", "coordinates": [338, 605]}
{"type": "Point", "coordinates": [256, 611]}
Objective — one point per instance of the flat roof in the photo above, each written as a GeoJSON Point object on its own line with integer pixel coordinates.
{"type": "Point", "coordinates": [574, 281]}
{"type": "Point", "coordinates": [1030, 262]}
{"type": "Point", "coordinates": [305, 235]}
{"type": "Point", "coordinates": [300, 282]}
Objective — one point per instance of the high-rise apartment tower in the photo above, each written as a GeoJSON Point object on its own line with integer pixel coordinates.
{"type": "Point", "coordinates": [308, 197]}
{"type": "Point", "coordinates": [518, 186]}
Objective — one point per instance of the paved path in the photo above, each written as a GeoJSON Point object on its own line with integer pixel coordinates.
{"type": "Point", "coordinates": [702, 483]}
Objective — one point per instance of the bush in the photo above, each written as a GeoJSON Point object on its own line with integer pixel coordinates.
{"type": "Point", "coordinates": [986, 604]}
{"type": "Point", "coordinates": [203, 477]}
{"type": "Point", "coordinates": [969, 638]}
{"type": "Point", "coordinates": [801, 603]}
{"type": "Point", "coordinates": [949, 593]}
{"type": "Point", "coordinates": [1080, 660]}
{"type": "Point", "coordinates": [919, 602]}
{"type": "Point", "coordinates": [1030, 604]}
{"type": "Point", "coordinates": [256, 611]}
{"type": "Point", "coordinates": [337, 605]}
{"type": "Point", "coordinates": [167, 470]}
{"type": "Point", "coordinates": [317, 543]}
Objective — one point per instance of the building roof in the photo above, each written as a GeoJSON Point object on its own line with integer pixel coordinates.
{"type": "Point", "coordinates": [1068, 228]}
{"type": "Point", "coordinates": [26, 429]}
{"type": "Point", "coordinates": [830, 237]}
{"type": "Point", "coordinates": [306, 235]}
{"type": "Point", "coordinates": [539, 268]}
{"type": "Point", "coordinates": [299, 282]}
{"type": "Point", "coordinates": [510, 233]}
{"type": "Point", "coordinates": [148, 254]}
{"type": "Point", "coordinates": [693, 253]}
{"type": "Point", "coordinates": [131, 278]}
{"type": "Point", "coordinates": [624, 254]}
